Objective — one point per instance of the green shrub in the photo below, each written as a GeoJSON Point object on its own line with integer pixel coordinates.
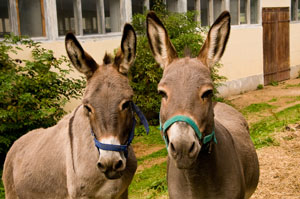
{"type": "Point", "coordinates": [33, 92]}
{"type": "Point", "coordinates": [185, 33]}
{"type": "Point", "coordinates": [260, 86]}
{"type": "Point", "coordinates": [274, 83]}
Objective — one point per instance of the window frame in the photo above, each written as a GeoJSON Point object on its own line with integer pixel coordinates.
{"type": "Point", "coordinates": [226, 6]}
{"type": "Point", "coordinates": [50, 20]}
{"type": "Point", "coordinates": [248, 13]}
{"type": "Point", "coordinates": [3, 21]}
{"type": "Point", "coordinates": [14, 18]}
{"type": "Point", "coordinates": [296, 12]}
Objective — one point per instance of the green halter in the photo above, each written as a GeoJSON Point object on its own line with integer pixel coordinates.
{"type": "Point", "coordinates": [182, 118]}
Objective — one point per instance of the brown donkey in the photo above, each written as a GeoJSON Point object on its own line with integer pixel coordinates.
{"type": "Point", "coordinates": [210, 151]}
{"type": "Point", "coordinates": [62, 161]}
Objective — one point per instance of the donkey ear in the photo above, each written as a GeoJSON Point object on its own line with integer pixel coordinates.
{"type": "Point", "coordinates": [216, 41]}
{"type": "Point", "coordinates": [160, 44]}
{"type": "Point", "coordinates": [82, 61]}
{"type": "Point", "coordinates": [126, 54]}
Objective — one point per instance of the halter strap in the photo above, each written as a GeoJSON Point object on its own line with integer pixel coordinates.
{"type": "Point", "coordinates": [189, 121]}
{"type": "Point", "coordinates": [124, 148]}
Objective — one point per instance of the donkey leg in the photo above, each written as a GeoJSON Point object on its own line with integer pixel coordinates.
{"type": "Point", "coordinates": [8, 181]}
{"type": "Point", "coordinates": [10, 191]}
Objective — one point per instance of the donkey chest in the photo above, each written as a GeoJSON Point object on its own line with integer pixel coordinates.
{"type": "Point", "coordinates": [96, 185]}
{"type": "Point", "coordinates": [100, 188]}
{"type": "Point", "coordinates": [206, 181]}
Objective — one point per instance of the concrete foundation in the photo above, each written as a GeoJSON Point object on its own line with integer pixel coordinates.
{"type": "Point", "coordinates": [294, 72]}
{"type": "Point", "coordinates": [238, 86]}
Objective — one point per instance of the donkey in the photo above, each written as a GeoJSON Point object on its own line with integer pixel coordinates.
{"type": "Point", "coordinates": [210, 153]}
{"type": "Point", "coordinates": [62, 161]}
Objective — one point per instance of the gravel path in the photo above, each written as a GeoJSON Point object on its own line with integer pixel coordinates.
{"type": "Point", "coordinates": [280, 168]}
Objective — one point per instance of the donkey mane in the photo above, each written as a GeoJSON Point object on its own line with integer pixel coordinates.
{"type": "Point", "coordinates": [71, 136]}
{"type": "Point", "coordinates": [187, 52]}
{"type": "Point", "coordinates": [107, 59]}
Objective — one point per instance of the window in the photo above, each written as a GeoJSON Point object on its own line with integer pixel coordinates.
{"type": "Point", "coordinates": [4, 18]}
{"type": "Point", "coordinates": [204, 13]}
{"type": "Point", "coordinates": [295, 10]}
{"type": "Point", "coordinates": [241, 11]}
{"type": "Point", "coordinates": [191, 5]}
{"type": "Point", "coordinates": [138, 6]}
{"type": "Point", "coordinates": [218, 8]}
{"type": "Point", "coordinates": [244, 11]}
{"type": "Point", "coordinates": [112, 15]}
{"type": "Point", "coordinates": [65, 16]}
{"type": "Point", "coordinates": [30, 18]}
{"type": "Point", "coordinates": [254, 11]}
{"type": "Point", "coordinates": [234, 11]}
{"type": "Point", "coordinates": [90, 17]}
{"type": "Point", "coordinates": [171, 5]}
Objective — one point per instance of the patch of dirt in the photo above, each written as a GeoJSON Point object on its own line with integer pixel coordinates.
{"type": "Point", "coordinates": [280, 167]}
{"type": "Point", "coordinates": [149, 163]}
{"type": "Point", "coordinates": [280, 92]}
{"type": "Point", "coordinates": [144, 150]}
{"type": "Point", "coordinates": [284, 96]}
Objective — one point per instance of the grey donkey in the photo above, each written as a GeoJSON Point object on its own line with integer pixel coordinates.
{"type": "Point", "coordinates": [210, 153]}
{"type": "Point", "coordinates": [62, 161]}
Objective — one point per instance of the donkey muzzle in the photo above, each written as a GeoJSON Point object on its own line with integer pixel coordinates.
{"type": "Point", "coordinates": [112, 164]}
{"type": "Point", "coordinates": [184, 145]}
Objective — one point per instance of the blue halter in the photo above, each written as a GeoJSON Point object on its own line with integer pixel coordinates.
{"type": "Point", "coordinates": [190, 122]}
{"type": "Point", "coordinates": [124, 148]}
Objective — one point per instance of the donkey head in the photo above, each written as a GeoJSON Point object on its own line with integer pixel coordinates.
{"type": "Point", "coordinates": [186, 113]}
{"type": "Point", "coordinates": [107, 100]}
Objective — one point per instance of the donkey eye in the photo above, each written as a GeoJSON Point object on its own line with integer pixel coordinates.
{"type": "Point", "coordinates": [88, 108]}
{"type": "Point", "coordinates": [126, 105]}
{"type": "Point", "coordinates": [207, 94]}
{"type": "Point", "coordinates": [163, 94]}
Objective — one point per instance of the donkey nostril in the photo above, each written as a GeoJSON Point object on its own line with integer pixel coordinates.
{"type": "Point", "coordinates": [192, 147]}
{"type": "Point", "coordinates": [172, 147]}
{"type": "Point", "coordinates": [100, 166]}
{"type": "Point", "coordinates": [119, 165]}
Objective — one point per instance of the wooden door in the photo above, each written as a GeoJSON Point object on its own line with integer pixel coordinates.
{"type": "Point", "coordinates": [276, 44]}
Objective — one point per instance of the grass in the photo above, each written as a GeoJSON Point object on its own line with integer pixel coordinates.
{"type": "Point", "coordinates": [150, 183]}
{"type": "Point", "coordinates": [260, 86]}
{"type": "Point", "coordinates": [254, 108]}
{"type": "Point", "coordinates": [274, 83]}
{"type": "Point", "coordinates": [154, 136]}
{"type": "Point", "coordinates": [261, 131]}
{"type": "Point", "coordinates": [294, 99]}
{"type": "Point", "coordinates": [157, 154]}
{"type": "Point", "coordinates": [292, 85]}
{"type": "Point", "coordinates": [273, 100]}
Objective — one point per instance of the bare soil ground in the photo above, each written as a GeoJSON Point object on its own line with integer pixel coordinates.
{"type": "Point", "coordinates": [143, 149]}
{"type": "Point", "coordinates": [280, 168]}
{"type": "Point", "coordinates": [279, 165]}
{"type": "Point", "coordinates": [286, 94]}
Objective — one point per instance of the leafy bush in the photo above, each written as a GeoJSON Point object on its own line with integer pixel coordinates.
{"type": "Point", "coordinates": [260, 86]}
{"type": "Point", "coordinates": [33, 92]}
{"type": "Point", "coordinates": [185, 33]}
